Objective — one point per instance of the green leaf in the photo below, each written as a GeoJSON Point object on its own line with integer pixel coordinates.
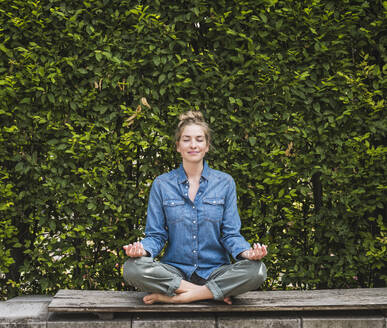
{"type": "Point", "coordinates": [161, 78]}
{"type": "Point", "coordinates": [263, 17]}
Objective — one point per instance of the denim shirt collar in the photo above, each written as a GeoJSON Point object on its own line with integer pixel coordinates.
{"type": "Point", "coordinates": [182, 177]}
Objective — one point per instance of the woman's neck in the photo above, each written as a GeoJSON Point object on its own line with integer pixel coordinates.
{"type": "Point", "coordinates": [193, 170]}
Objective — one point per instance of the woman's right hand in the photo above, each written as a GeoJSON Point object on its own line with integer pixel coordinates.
{"type": "Point", "coordinates": [256, 253]}
{"type": "Point", "coordinates": [135, 250]}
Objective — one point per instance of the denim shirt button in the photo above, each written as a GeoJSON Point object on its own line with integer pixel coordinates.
{"type": "Point", "coordinates": [193, 221]}
{"type": "Point", "coordinates": [193, 206]}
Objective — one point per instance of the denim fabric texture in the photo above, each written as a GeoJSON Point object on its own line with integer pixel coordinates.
{"type": "Point", "coordinates": [200, 234]}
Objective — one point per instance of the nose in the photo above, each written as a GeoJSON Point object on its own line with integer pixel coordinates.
{"type": "Point", "coordinates": [193, 143]}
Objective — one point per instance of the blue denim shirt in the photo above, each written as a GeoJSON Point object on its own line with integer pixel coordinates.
{"type": "Point", "coordinates": [200, 234]}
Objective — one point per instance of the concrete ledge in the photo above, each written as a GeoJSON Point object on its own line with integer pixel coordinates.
{"type": "Point", "coordinates": [25, 311]}
{"type": "Point", "coordinates": [348, 321]}
{"type": "Point", "coordinates": [174, 320]}
{"type": "Point", "coordinates": [88, 321]}
{"type": "Point", "coordinates": [259, 321]}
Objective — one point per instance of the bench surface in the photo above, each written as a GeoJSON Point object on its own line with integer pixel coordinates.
{"type": "Point", "coordinates": [313, 300]}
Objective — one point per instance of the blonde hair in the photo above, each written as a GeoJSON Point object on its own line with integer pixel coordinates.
{"type": "Point", "coordinates": [192, 117]}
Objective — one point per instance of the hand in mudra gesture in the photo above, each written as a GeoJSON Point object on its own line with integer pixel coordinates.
{"type": "Point", "coordinates": [255, 253]}
{"type": "Point", "coordinates": [135, 250]}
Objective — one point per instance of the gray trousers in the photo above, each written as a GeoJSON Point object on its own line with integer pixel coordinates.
{"type": "Point", "coordinates": [149, 275]}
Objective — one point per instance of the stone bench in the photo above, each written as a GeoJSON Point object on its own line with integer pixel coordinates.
{"type": "Point", "coordinates": [299, 309]}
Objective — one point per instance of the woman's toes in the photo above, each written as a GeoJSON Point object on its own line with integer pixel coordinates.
{"type": "Point", "coordinates": [149, 299]}
{"type": "Point", "coordinates": [227, 300]}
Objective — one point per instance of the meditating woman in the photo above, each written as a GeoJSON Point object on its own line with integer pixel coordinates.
{"type": "Point", "coordinates": [194, 210]}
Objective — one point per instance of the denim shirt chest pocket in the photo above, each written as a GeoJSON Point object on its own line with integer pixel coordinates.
{"type": "Point", "coordinates": [213, 208]}
{"type": "Point", "coordinates": [174, 210]}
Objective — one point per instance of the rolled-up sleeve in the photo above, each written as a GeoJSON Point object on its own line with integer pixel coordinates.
{"type": "Point", "coordinates": [155, 232]}
{"type": "Point", "coordinates": [231, 239]}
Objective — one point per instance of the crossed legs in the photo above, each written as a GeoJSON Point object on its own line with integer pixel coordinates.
{"type": "Point", "coordinates": [186, 293]}
{"type": "Point", "coordinates": [167, 285]}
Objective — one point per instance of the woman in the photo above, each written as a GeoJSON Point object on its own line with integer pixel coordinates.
{"type": "Point", "coordinates": [194, 209]}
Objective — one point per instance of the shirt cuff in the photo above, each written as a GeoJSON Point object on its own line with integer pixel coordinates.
{"type": "Point", "coordinates": [240, 257]}
{"type": "Point", "coordinates": [147, 248]}
{"type": "Point", "coordinates": [236, 253]}
{"type": "Point", "coordinates": [148, 253]}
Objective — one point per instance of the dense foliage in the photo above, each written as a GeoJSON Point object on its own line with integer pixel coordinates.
{"type": "Point", "coordinates": [294, 92]}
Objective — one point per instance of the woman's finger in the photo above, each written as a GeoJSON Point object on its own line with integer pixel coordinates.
{"type": "Point", "coordinates": [264, 249]}
{"type": "Point", "coordinates": [135, 250]}
{"type": "Point", "coordinates": [142, 251]}
{"type": "Point", "coordinates": [127, 249]}
{"type": "Point", "coordinates": [139, 249]}
{"type": "Point", "coordinates": [259, 253]}
{"type": "Point", "coordinates": [249, 254]}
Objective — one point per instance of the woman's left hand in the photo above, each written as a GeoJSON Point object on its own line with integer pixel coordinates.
{"type": "Point", "coordinates": [256, 253]}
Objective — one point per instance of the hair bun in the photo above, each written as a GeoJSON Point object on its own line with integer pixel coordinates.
{"type": "Point", "coordinates": [195, 116]}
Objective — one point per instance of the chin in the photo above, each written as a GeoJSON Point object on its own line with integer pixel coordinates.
{"type": "Point", "coordinates": [194, 159]}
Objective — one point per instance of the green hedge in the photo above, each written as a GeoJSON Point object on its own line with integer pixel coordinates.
{"type": "Point", "coordinates": [294, 92]}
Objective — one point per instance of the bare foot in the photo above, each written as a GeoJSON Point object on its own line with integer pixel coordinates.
{"type": "Point", "coordinates": [185, 286]}
{"type": "Point", "coordinates": [187, 297]}
{"type": "Point", "coordinates": [191, 295]}
{"type": "Point", "coordinates": [157, 298]}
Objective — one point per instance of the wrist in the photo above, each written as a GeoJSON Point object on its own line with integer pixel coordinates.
{"type": "Point", "coordinates": [242, 256]}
